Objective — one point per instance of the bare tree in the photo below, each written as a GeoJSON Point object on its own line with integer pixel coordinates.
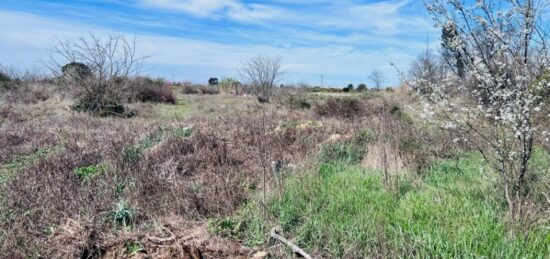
{"type": "Point", "coordinates": [263, 74]}
{"type": "Point", "coordinates": [430, 67]}
{"type": "Point", "coordinates": [377, 78]}
{"type": "Point", "coordinates": [98, 68]}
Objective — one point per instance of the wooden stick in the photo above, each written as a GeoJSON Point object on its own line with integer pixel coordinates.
{"type": "Point", "coordinates": [292, 246]}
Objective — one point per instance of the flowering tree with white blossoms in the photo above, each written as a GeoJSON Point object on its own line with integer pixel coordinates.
{"type": "Point", "coordinates": [498, 60]}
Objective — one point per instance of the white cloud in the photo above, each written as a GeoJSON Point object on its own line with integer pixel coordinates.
{"type": "Point", "coordinates": [385, 17]}
{"type": "Point", "coordinates": [28, 38]}
{"type": "Point", "coordinates": [233, 9]}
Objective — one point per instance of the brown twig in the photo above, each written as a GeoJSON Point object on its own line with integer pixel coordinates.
{"type": "Point", "coordinates": [295, 248]}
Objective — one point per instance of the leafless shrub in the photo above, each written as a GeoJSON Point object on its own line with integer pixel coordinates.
{"type": "Point", "coordinates": [99, 69]}
{"type": "Point", "coordinates": [263, 73]}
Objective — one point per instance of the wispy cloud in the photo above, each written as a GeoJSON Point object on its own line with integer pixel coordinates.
{"type": "Point", "coordinates": [215, 9]}
{"type": "Point", "coordinates": [195, 39]}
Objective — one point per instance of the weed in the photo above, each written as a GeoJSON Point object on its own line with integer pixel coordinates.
{"type": "Point", "coordinates": [245, 225]}
{"type": "Point", "coordinates": [88, 172]}
{"type": "Point", "coordinates": [342, 152]}
{"type": "Point", "coordinates": [131, 154]}
{"type": "Point", "coordinates": [133, 248]}
{"type": "Point", "coordinates": [182, 132]}
{"type": "Point", "coordinates": [123, 214]}
{"type": "Point", "coordinates": [49, 230]}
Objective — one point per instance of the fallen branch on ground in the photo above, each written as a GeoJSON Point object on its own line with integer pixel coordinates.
{"type": "Point", "coordinates": [292, 246]}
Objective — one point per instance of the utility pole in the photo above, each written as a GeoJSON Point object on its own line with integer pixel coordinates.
{"type": "Point", "coordinates": [427, 44]}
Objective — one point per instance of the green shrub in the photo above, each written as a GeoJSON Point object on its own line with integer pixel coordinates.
{"type": "Point", "coordinates": [123, 214]}
{"type": "Point", "coordinates": [133, 248]}
{"type": "Point", "coordinates": [342, 152]}
{"type": "Point", "coordinates": [88, 172]}
{"type": "Point", "coordinates": [227, 227]}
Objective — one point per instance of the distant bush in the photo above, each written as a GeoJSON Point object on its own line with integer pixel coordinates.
{"type": "Point", "coordinates": [340, 107]}
{"type": "Point", "coordinates": [27, 94]}
{"type": "Point", "coordinates": [76, 70]}
{"type": "Point", "coordinates": [318, 89]}
{"type": "Point", "coordinates": [4, 80]}
{"type": "Point", "coordinates": [229, 84]}
{"type": "Point", "coordinates": [149, 90]}
{"type": "Point", "coordinates": [211, 90]}
{"type": "Point", "coordinates": [200, 89]}
{"type": "Point", "coordinates": [297, 102]}
{"type": "Point", "coordinates": [26, 87]}
{"type": "Point", "coordinates": [361, 87]}
{"type": "Point", "coordinates": [213, 81]}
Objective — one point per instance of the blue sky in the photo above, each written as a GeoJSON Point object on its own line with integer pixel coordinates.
{"type": "Point", "coordinates": [192, 40]}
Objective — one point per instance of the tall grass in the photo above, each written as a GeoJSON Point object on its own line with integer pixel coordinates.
{"type": "Point", "coordinates": [451, 211]}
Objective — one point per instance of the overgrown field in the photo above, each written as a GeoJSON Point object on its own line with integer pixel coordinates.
{"type": "Point", "coordinates": [356, 175]}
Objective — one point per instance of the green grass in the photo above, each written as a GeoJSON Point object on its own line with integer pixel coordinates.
{"type": "Point", "coordinates": [88, 172]}
{"type": "Point", "coordinates": [453, 211]}
{"type": "Point", "coordinates": [169, 111]}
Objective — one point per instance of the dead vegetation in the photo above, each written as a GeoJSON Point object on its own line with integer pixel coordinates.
{"type": "Point", "coordinates": [80, 185]}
